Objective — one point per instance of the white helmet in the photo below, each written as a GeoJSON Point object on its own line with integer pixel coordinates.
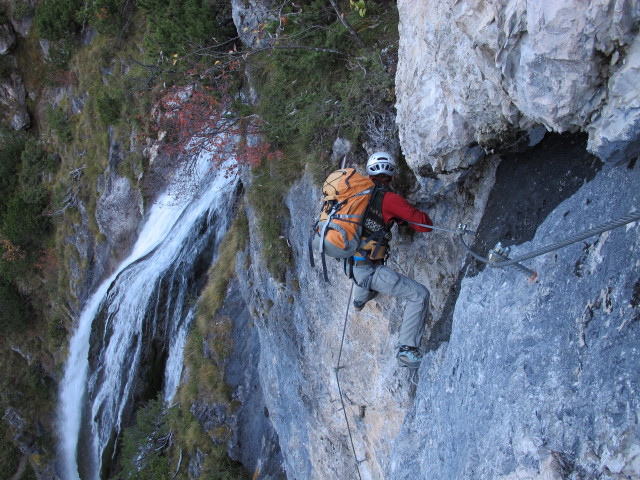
{"type": "Point", "coordinates": [381, 163]}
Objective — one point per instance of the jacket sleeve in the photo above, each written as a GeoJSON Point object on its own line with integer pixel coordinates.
{"type": "Point", "coordinates": [396, 208]}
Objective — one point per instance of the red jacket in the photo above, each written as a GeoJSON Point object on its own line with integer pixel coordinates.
{"type": "Point", "coordinates": [396, 208]}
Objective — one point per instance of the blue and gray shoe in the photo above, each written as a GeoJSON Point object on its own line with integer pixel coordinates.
{"type": "Point", "coordinates": [409, 356]}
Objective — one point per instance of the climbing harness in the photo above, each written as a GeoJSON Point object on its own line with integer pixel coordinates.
{"type": "Point", "coordinates": [337, 370]}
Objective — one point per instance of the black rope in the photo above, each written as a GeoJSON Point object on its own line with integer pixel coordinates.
{"type": "Point", "coordinates": [337, 370]}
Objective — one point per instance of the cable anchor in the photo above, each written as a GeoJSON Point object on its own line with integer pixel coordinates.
{"type": "Point", "coordinates": [500, 254]}
{"type": "Point", "coordinates": [462, 229]}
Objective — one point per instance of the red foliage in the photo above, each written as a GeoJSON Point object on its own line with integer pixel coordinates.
{"type": "Point", "coordinates": [194, 119]}
{"type": "Point", "coordinates": [11, 252]}
{"type": "Point", "coordinates": [102, 14]}
{"type": "Point", "coordinates": [47, 265]}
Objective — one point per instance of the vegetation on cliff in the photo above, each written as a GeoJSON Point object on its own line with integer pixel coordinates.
{"type": "Point", "coordinates": [324, 71]}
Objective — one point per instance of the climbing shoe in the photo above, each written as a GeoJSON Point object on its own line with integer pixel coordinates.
{"type": "Point", "coordinates": [359, 305]}
{"type": "Point", "coordinates": [409, 356]}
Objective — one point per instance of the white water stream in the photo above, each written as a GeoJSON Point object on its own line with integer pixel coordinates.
{"type": "Point", "coordinates": [143, 301]}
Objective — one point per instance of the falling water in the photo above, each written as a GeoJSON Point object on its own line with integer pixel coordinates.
{"type": "Point", "coordinates": [132, 330]}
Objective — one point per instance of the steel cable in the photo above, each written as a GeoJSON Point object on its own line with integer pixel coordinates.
{"type": "Point", "coordinates": [563, 243]}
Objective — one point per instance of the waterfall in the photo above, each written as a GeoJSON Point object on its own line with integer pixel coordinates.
{"type": "Point", "coordinates": [130, 336]}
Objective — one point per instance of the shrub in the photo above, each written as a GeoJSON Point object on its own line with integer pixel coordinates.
{"type": "Point", "coordinates": [149, 446]}
{"type": "Point", "coordinates": [10, 153]}
{"type": "Point", "coordinates": [13, 309]}
{"type": "Point", "coordinates": [109, 105]}
{"type": "Point", "coordinates": [145, 444]}
{"type": "Point", "coordinates": [179, 26]}
{"type": "Point", "coordinates": [9, 454]}
{"type": "Point", "coordinates": [36, 163]}
{"type": "Point", "coordinates": [23, 223]}
{"type": "Point", "coordinates": [107, 16]}
{"type": "Point", "coordinates": [59, 123]}
{"type": "Point", "coordinates": [56, 19]}
{"type": "Point", "coordinates": [25, 195]}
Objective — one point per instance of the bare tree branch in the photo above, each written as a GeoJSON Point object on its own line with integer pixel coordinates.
{"type": "Point", "coordinates": [71, 195]}
{"type": "Point", "coordinates": [178, 468]}
{"type": "Point", "coordinates": [346, 24]}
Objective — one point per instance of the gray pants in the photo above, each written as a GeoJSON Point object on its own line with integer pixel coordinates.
{"type": "Point", "coordinates": [384, 280]}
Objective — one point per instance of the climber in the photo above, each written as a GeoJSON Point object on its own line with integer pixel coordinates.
{"type": "Point", "coordinates": [371, 276]}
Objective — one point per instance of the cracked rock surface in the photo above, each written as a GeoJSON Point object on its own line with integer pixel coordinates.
{"type": "Point", "coordinates": [540, 380]}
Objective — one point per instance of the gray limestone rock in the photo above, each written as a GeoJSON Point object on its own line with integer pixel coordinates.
{"type": "Point", "coordinates": [254, 442]}
{"type": "Point", "coordinates": [249, 17]}
{"type": "Point", "coordinates": [7, 38]}
{"type": "Point", "coordinates": [540, 380]}
{"type": "Point", "coordinates": [614, 133]}
{"type": "Point", "coordinates": [13, 97]}
{"type": "Point", "coordinates": [299, 325]}
{"type": "Point", "coordinates": [474, 73]}
{"type": "Point", "coordinates": [120, 206]}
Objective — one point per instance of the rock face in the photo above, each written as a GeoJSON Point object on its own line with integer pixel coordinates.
{"type": "Point", "coordinates": [521, 380]}
{"type": "Point", "coordinates": [300, 322]}
{"type": "Point", "coordinates": [476, 72]}
{"type": "Point", "coordinates": [248, 17]}
{"type": "Point", "coordinates": [540, 380]}
{"type": "Point", "coordinates": [13, 96]}
{"type": "Point", "coordinates": [299, 325]}
{"type": "Point", "coordinates": [7, 38]}
{"type": "Point", "coordinates": [120, 206]}
{"type": "Point", "coordinates": [255, 442]}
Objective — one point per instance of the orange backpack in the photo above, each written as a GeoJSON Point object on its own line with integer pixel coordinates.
{"type": "Point", "coordinates": [337, 233]}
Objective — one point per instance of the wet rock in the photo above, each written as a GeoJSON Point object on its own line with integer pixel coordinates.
{"type": "Point", "coordinates": [120, 206]}
{"type": "Point", "coordinates": [254, 440]}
